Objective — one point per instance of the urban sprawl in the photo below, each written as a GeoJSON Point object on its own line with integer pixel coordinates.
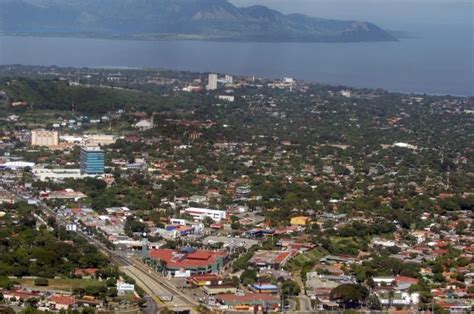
{"type": "Point", "coordinates": [153, 191]}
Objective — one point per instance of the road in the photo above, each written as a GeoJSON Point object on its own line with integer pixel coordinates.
{"type": "Point", "coordinates": [305, 304]}
{"type": "Point", "coordinates": [152, 283]}
{"type": "Point", "coordinates": [151, 307]}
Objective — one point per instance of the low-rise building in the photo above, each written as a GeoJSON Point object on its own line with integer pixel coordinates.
{"type": "Point", "coordinates": [205, 280]}
{"type": "Point", "coordinates": [44, 174]}
{"type": "Point", "coordinates": [270, 259]}
{"type": "Point", "coordinates": [201, 213]}
{"type": "Point", "coordinates": [249, 301]}
{"type": "Point", "coordinates": [61, 302]}
{"type": "Point", "coordinates": [219, 289]}
{"type": "Point", "coordinates": [264, 288]}
{"type": "Point", "coordinates": [196, 261]}
{"type": "Point", "coordinates": [63, 194]}
{"type": "Point", "coordinates": [300, 221]}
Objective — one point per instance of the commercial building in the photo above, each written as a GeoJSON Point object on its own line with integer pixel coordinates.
{"type": "Point", "coordinates": [99, 140]}
{"type": "Point", "coordinates": [16, 165]}
{"type": "Point", "coordinates": [92, 160]}
{"type": "Point", "coordinates": [44, 138]}
{"type": "Point", "coordinates": [201, 213]}
{"type": "Point", "coordinates": [196, 261]}
{"type": "Point", "coordinates": [219, 289]}
{"type": "Point", "coordinates": [249, 301]}
{"type": "Point", "coordinates": [45, 174]}
{"type": "Point", "coordinates": [205, 280]}
{"type": "Point", "coordinates": [230, 244]}
{"type": "Point", "coordinates": [212, 82]}
{"type": "Point", "coordinates": [264, 287]}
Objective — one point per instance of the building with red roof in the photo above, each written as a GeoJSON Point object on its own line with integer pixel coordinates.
{"type": "Point", "coordinates": [20, 294]}
{"type": "Point", "coordinates": [62, 302]}
{"type": "Point", "coordinates": [85, 272]}
{"type": "Point", "coordinates": [249, 300]}
{"type": "Point", "coordinates": [196, 261]}
{"type": "Point", "coordinates": [205, 280]}
{"type": "Point", "coordinates": [407, 280]}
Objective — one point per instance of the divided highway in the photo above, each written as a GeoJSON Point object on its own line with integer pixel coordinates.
{"type": "Point", "coordinates": [152, 283]}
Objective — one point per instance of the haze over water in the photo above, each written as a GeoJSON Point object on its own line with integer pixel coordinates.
{"type": "Point", "coordinates": [437, 57]}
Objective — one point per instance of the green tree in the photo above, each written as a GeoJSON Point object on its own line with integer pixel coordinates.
{"type": "Point", "coordinates": [290, 288]}
{"type": "Point", "coordinates": [207, 221]}
{"type": "Point", "coordinates": [235, 225]}
{"type": "Point", "coordinates": [350, 295]}
{"type": "Point", "coordinates": [249, 276]}
{"type": "Point", "coordinates": [41, 282]}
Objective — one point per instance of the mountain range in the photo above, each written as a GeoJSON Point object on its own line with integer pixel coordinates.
{"type": "Point", "coordinates": [157, 19]}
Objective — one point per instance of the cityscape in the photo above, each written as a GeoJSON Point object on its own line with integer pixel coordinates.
{"type": "Point", "coordinates": [236, 157]}
{"type": "Point", "coordinates": [157, 191]}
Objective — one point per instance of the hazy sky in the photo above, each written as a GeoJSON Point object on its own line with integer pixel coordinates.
{"type": "Point", "coordinates": [394, 14]}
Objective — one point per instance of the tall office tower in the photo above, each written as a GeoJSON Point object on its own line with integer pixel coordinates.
{"type": "Point", "coordinates": [212, 84]}
{"type": "Point", "coordinates": [92, 160]}
{"type": "Point", "coordinates": [45, 138]}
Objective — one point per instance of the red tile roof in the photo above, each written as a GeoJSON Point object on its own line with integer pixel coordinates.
{"type": "Point", "coordinates": [62, 299]}
{"type": "Point", "coordinates": [174, 259]}
{"type": "Point", "coordinates": [201, 255]}
{"type": "Point", "coordinates": [405, 279]}
{"type": "Point", "coordinates": [85, 271]}
{"type": "Point", "coordinates": [23, 294]}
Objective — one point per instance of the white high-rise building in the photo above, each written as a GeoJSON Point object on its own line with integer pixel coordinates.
{"type": "Point", "coordinates": [229, 79]}
{"type": "Point", "coordinates": [212, 84]}
{"type": "Point", "coordinates": [45, 138]}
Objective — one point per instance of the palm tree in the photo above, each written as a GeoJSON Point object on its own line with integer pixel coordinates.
{"type": "Point", "coordinates": [391, 295]}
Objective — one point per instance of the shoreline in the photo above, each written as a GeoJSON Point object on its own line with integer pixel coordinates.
{"type": "Point", "coordinates": [186, 37]}
{"type": "Point", "coordinates": [125, 68]}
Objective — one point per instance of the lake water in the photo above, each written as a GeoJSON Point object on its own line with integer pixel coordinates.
{"type": "Point", "coordinates": [439, 59]}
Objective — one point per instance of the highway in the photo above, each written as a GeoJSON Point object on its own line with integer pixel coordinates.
{"type": "Point", "coordinates": [152, 283]}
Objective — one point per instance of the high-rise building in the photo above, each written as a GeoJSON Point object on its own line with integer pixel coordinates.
{"type": "Point", "coordinates": [212, 84]}
{"type": "Point", "coordinates": [229, 79]}
{"type": "Point", "coordinates": [45, 138]}
{"type": "Point", "coordinates": [92, 160]}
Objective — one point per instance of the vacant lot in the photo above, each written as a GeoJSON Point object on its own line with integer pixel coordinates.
{"type": "Point", "coordinates": [62, 284]}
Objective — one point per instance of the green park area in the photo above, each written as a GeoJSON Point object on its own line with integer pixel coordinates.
{"type": "Point", "coordinates": [64, 284]}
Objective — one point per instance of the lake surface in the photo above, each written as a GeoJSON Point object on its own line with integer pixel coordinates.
{"type": "Point", "coordinates": [410, 65]}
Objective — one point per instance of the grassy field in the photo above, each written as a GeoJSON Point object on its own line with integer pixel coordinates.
{"type": "Point", "coordinates": [314, 255]}
{"type": "Point", "coordinates": [62, 284]}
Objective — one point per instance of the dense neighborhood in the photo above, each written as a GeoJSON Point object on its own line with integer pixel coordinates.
{"type": "Point", "coordinates": [178, 192]}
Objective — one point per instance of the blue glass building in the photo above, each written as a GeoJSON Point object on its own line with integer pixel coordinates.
{"type": "Point", "coordinates": [92, 160]}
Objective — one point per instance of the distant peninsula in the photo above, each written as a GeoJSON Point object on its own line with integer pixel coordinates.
{"type": "Point", "coordinates": [176, 19]}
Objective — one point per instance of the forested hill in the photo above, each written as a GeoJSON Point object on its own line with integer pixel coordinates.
{"type": "Point", "coordinates": [190, 19]}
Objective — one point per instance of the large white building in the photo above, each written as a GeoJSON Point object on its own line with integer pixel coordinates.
{"type": "Point", "coordinates": [16, 165]}
{"type": "Point", "coordinates": [212, 82]}
{"type": "Point", "coordinates": [44, 174]}
{"type": "Point", "coordinates": [200, 213]}
{"type": "Point", "coordinates": [228, 98]}
{"type": "Point", "coordinates": [99, 139]}
{"type": "Point", "coordinates": [45, 138]}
